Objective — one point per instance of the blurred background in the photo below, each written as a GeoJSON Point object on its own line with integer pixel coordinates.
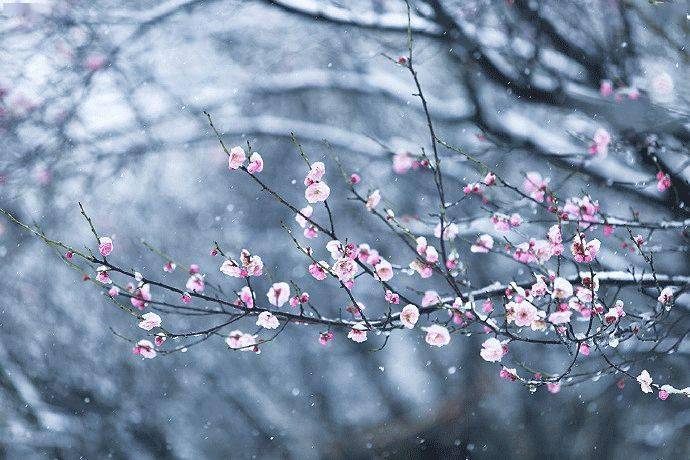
{"type": "Point", "coordinates": [101, 102]}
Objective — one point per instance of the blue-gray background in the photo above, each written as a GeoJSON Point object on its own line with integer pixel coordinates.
{"type": "Point", "coordinates": [130, 142]}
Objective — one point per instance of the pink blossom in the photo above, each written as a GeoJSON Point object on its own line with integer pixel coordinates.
{"type": "Point", "coordinates": [373, 200]}
{"type": "Point", "coordinates": [483, 244]}
{"type": "Point", "coordinates": [562, 289]}
{"type": "Point", "coordinates": [159, 339]}
{"type": "Point", "coordinates": [492, 350]}
{"type": "Point", "coordinates": [249, 266]}
{"type": "Point", "coordinates": [584, 348]}
{"type": "Point", "coordinates": [525, 313]}
{"type": "Point", "coordinates": [664, 181]}
{"type": "Point", "coordinates": [560, 317]}
{"type": "Point", "coordinates": [247, 297]}
{"type": "Point", "coordinates": [355, 179]}
{"type": "Point", "coordinates": [425, 270]}
{"type": "Point", "coordinates": [345, 268]}
{"type": "Point", "coordinates": [384, 270]}
{"type": "Point", "coordinates": [583, 251]}
{"type": "Point", "coordinates": [102, 275]}
{"type": "Point", "coordinates": [358, 333]}
{"type": "Point", "coordinates": [409, 316]}
{"type": "Point", "coordinates": [236, 158]}
{"type": "Point", "coordinates": [94, 62]}
{"type": "Point", "coordinates": [488, 306]}
{"type": "Point", "coordinates": [169, 267]}
{"type": "Point", "coordinates": [614, 313]}
{"type": "Point", "coordinates": [606, 88]}
{"type": "Point", "coordinates": [608, 230]}
{"type": "Point", "coordinates": [553, 387]}
{"type": "Point", "coordinates": [186, 298]}
{"type": "Point", "coordinates": [149, 321]}
{"type": "Point", "coordinates": [239, 340]}
{"type": "Point", "coordinates": [473, 187]}
{"type": "Point", "coordinates": [316, 173]}
{"type": "Point", "coordinates": [555, 240]}
{"type": "Point", "coordinates": [317, 192]}
{"type": "Point", "coordinates": [193, 269]}
{"type": "Point", "coordinates": [196, 283]}
{"type": "Point", "coordinates": [645, 381]}
{"type": "Point", "coordinates": [436, 335]}
{"type": "Point", "coordinates": [325, 337]}
{"type": "Point", "coordinates": [402, 162]}
{"type": "Point", "coordinates": [509, 374]}
{"type": "Point", "coordinates": [278, 294]}
{"type": "Point", "coordinates": [489, 179]}
{"type": "Point", "coordinates": [430, 298]}
{"type": "Point", "coordinates": [141, 296]}
{"type": "Point", "coordinates": [666, 296]}
{"type": "Point", "coordinates": [114, 291]}
{"type": "Point", "coordinates": [601, 141]}
{"type": "Point", "coordinates": [392, 297]}
{"type": "Point", "coordinates": [318, 271]}
{"type": "Point", "coordinates": [256, 163]}
{"type": "Point", "coordinates": [105, 246]}
{"type": "Point", "coordinates": [145, 349]}
{"type": "Point", "coordinates": [504, 223]}
{"type": "Point", "coordinates": [450, 231]}
{"type": "Point", "coordinates": [535, 186]}
{"type": "Point", "coordinates": [267, 320]}
{"type": "Point", "coordinates": [303, 215]}
{"type": "Point", "coordinates": [582, 209]}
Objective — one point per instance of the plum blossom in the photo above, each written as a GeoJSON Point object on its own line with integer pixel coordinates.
{"type": "Point", "coordinates": [663, 181]}
{"type": "Point", "coordinates": [326, 337]}
{"type": "Point", "coordinates": [102, 275]}
{"type": "Point", "coordinates": [373, 200]}
{"type": "Point", "coordinates": [508, 374]}
{"type": "Point", "coordinates": [316, 173]}
{"type": "Point", "coordinates": [256, 163]}
{"type": "Point", "coordinates": [238, 340]}
{"type": "Point", "coordinates": [533, 251]}
{"type": "Point", "coordinates": [196, 283]}
{"type": "Point", "coordinates": [149, 321]}
{"type": "Point", "coordinates": [409, 316]}
{"type": "Point", "coordinates": [358, 333]}
{"type": "Point", "coordinates": [246, 296]}
{"type": "Point", "coordinates": [436, 335]}
{"type": "Point", "coordinates": [615, 313]}
{"type": "Point", "coordinates": [504, 223]}
{"type": "Point", "coordinates": [141, 296]}
{"type": "Point", "coordinates": [492, 350]}
{"type": "Point", "coordinates": [318, 271]}
{"type": "Point", "coordinates": [105, 246]}
{"type": "Point", "coordinates": [384, 270]}
{"type": "Point", "coordinates": [145, 349]}
{"type": "Point", "coordinates": [159, 339]}
{"type": "Point", "coordinates": [392, 297]}
{"type": "Point", "coordinates": [555, 240]}
{"type": "Point", "coordinates": [560, 316]}
{"type": "Point", "coordinates": [525, 313]}
{"type": "Point", "coordinates": [535, 186]}
{"type": "Point", "coordinates": [562, 289]}
{"type": "Point", "coordinates": [489, 179]}
{"type": "Point", "coordinates": [666, 297]}
{"type": "Point", "coordinates": [278, 294]}
{"type": "Point", "coordinates": [553, 387]}
{"type": "Point", "coordinates": [606, 88]}
{"type": "Point", "coordinates": [582, 209]}
{"type": "Point", "coordinates": [267, 320]}
{"type": "Point", "coordinates": [186, 298]}
{"type": "Point", "coordinates": [355, 179]}
{"type": "Point", "coordinates": [584, 251]}
{"type": "Point", "coordinates": [169, 267]}
{"type": "Point", "coordinates": [236, 157]}
{"type": "Point", "coordinates": [483, 244]}
{"type": "Point", "coordinates": [114, 291]}
{"type": "Point", "coordinates": [428, 252]}
{"type": "Point", "coordinates": [450, 231]}
{"type": "Point", "coordinates": [645, 381]}
{"type": "Point", "coordinates": [249, 266]}
{"type": "Point", "coordinates": [345, 268]}
{"type": "Point", "coordinates": [317, 192]}
{"type": "Point", "coordinates": [430, 298]}
{"type": "Point", "coordinates": [402, 162]}
{"type": "Point", "coordinates": [600, 143]}
{"type": "Point", "coordinates": [424, 269]}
